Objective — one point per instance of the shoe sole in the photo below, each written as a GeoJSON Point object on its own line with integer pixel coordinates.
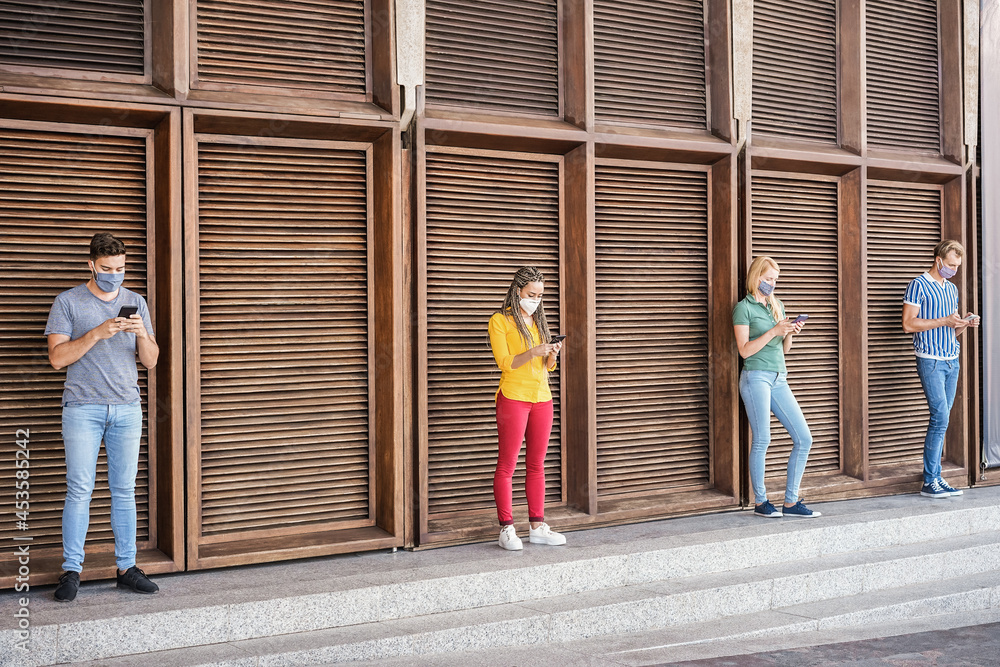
{"type": "Point", "coordinates": [64, 599]}
{"type": "Point", "coordinates": [126, 587]}
{"type": "Point", "coordinates": [805, 516]}
{"type": "Point", "coordinates": [769, 516]}
{"type": "Point", "coordinates": [551, 544]}
{"type": "Point", "coordinates": [935, 495]}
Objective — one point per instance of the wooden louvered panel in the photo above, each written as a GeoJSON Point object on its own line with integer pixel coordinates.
{"type": "Point", "coordinates": [904, 225]}
{"type": "Point", "coordinates": [652, 313]}
{"type": "Point", "coordinates": [284, 337]}
{"type": "Point", "coordinates": [95, 35]}
{"type": "Point", "coordinates": [902, 65]}
{"type": "Point", "coordinates": [486, 217]}
{"type": "Point", "coordinates": [288, 44]}
{"type": "Point", "coordinates": [496, 55]}
{"type": "Point", "coordinates": [56, 190]}
{"type": "Point", "coordinates": [795, 69]}
{"type": "Point", "coordinates": [795, 223]}
{"type": "Point", "coordinates": [649, 62]}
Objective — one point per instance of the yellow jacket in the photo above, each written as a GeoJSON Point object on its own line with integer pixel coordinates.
{"type": "Point", "coordinates": [529, 382]}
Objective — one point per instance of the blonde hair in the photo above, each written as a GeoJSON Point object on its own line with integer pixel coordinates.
{"type": "Point", "coordinates": [757, 268]}
{"type": "Point", "coordinates": [948, 246]}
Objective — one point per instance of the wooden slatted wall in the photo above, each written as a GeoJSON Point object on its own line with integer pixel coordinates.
{"type": "Point", "coordinates": [286, 44]}
{"type": "Point", "coordinates": [487, 215]}
{"type": "Point", "coordinates": [652, 314]}
{"type": "Point", "coordinates": [283, 303]}
{"type": "Point", "coordinates": [649, 62]}
{"type": "Point", "coordinates": [57, 190]}
{"type": "Point", "coordinates": [795, 223]}
{"type": "Point", "coordinates": [496, 55]}
{"type": "Point", "coordinates": [96, 35]}
{"type": "Point", "coordinates": [904, 225]}
{"type": "Point", "coordinates": [795, 69]}
{"type": "Point", "coordinates": [904, 109]}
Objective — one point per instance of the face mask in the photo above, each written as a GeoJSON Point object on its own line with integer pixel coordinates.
{"type": "Point", "coordinates": [108, 282]}
{"type": "Point", "coordinates": [765, 288]}
{"type": "Point", "coordinates": [530, 305]}
{"type": "Point", "coordinates": [947, 272]}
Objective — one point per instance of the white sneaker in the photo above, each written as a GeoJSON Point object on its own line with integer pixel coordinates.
{"type": "Point", "coordinates": [545, 535]}
{"type": "Point", "coordinates": [509, 539]}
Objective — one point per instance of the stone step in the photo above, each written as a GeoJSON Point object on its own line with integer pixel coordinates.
{"type": "Point", "coordinates": [722, 638]}
{"type": "Point", "coordinates": [365, 592]}
{"type": "Point", "coordinates": [595, 630]}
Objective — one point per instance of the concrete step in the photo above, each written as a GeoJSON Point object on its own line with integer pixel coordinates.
{"type": "Point", "coordinates": [724, 638]}
{"type": "Point", "coordinates": [707, 608]}
{"type": "Point", "coordinates": [693, 568]}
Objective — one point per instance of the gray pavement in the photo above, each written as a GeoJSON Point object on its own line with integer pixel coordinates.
{"type": "Point", "coordinates": [969, 646]}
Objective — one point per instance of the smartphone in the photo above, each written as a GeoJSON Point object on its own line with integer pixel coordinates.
{"type": "Point", "coordinates": [558, 339]}
{"type": "Point", "coordinates": [800, 318]}
{"type": "Point", "coordinates": [970, 318]}
{"type": "Point", "coordinates": [127, 311]}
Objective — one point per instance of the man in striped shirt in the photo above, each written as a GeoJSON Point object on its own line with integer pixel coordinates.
{"type": "Point", "coordinates": [930, 313]}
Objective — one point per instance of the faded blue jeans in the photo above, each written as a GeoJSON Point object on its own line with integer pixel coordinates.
{"type": "Point", "coordinates": [940, 380]}
{"type": "Point", "coordinates": [83, 429]}
{"type": "Point", "coordinates": [764, 392]}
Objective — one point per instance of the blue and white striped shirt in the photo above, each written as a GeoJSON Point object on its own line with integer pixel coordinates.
{"type": "Point", "coordinates": [934, 300]}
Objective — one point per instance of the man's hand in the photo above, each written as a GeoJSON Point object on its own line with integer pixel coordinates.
{"type": "Point", "coordinates": [133, 324]}
{"type": "Point", "coordinates": [108, 328]}
{"type": "Point", "coordinates": [955, 321]}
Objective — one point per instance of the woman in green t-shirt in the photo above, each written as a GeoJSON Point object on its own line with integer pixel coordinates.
{"type": "Point", "coordinates": [763, 335]}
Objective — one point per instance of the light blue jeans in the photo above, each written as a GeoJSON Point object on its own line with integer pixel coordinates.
{"type": "Point", "coordinates": [764, 392]}
{"type": "Point", "coordinates": [940, 381]}
{"type": "Point", "coordinates": [83, 429]}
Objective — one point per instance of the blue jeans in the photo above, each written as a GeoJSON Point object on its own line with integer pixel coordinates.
{"type": "Point", "coordinates": [83, 429]}
{"type": "Point", "coordinates": [939, 380]}
{"type": "Point", "coordinates": [764, 392]}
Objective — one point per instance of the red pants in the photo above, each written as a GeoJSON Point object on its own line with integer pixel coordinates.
{"type": "Point", "coordinates": [518, 421]}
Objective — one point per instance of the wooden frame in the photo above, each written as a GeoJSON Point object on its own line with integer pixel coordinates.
{"type": "Point", "coordinates": [144, 79]}
{"type": "Point", "coordinates": [252, 89]}
{"type": "Point", "coordinates": [384, 527]}
{"type": "Point", "coordinates": [444, 532]}
{"type": "Point", "coordinates": [159, 126]}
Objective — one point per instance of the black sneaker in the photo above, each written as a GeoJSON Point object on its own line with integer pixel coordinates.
{"type": "Point", "coordinates": [69, 584]}
{"type": "Point", "coordinates": [137, 580]}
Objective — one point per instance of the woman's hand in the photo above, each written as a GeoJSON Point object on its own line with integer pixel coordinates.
{"type": "Point", "coordinates": [785, 327]}
{"type": "Point", "coordinates": [545, 349]}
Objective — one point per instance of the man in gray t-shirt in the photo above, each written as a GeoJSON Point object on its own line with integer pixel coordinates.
{"type": "Point", "coordinates": [95, 331]}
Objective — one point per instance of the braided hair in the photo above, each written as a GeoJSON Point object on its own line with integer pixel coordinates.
{"type": "Point", "coordinates": [512, 305]}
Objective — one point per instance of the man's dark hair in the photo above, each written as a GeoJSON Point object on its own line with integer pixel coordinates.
{"type": "Point", "coordinates": [105, 244]}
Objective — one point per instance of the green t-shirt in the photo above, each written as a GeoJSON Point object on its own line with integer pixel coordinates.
{"type": "Point", "coordinates": [759, 318]}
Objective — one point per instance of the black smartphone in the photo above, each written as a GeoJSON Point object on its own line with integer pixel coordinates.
{"type": "Point", "coordinates": [127, 311]}
{"type": "Point", "coordinates": [800, 318]}
{"type": "Point", "coordinates": [558, 339]}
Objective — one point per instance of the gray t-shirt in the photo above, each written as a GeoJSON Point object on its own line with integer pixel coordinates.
{"type": "Point", "coordinates": [107, 374]}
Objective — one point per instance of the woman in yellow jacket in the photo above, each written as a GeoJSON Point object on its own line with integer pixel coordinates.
{"type": "Point", "coordinates": [524, 403]}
